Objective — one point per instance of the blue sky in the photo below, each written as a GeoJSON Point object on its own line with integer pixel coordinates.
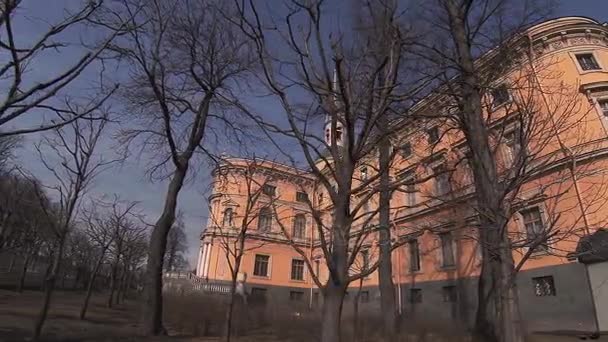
{"type": "Point", "coordinates": [129, 180]}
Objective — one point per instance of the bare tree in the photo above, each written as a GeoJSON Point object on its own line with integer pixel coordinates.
{"type": "Point", "coordinates": [183, 67]}
{"type": "Point", "coordinates": [28, 95]}
{"type": "Point", "coordinates": [241, 181]}
{"type": "Point", "coordinates": [481, 52]}
{"type": "Point", "coordinates": [76, 165]}
{"type": "Point", "coordinates": [356, 84]}
{"type": "Point", "coordinates": [102, 229]}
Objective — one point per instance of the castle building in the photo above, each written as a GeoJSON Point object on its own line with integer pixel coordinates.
{"type": "Point", "coordinates": [561, 281]}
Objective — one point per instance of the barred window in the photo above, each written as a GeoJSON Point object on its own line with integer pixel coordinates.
{"type": "Point", "coordinates": [449, 294]}
{"type": "Point", "coordinates": [415, 296]}
{"type": "Point", "coordinates": [544, 286]}
{"type": "Point", "coordinates": [587, 61]}
{"type": "Point", "coordinates": [296, 296]}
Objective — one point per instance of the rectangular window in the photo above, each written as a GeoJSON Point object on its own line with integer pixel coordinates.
{"type": "Point", "coordinates": [297, 269]}
{"type": "Point", "coordinates": [587, 61]}
{"type": "Point", "coordinates": [442, 180]}
{"type": "Point", "coordinates": [544, 286]}
{"type": "Point", "coordinates": [535, 228]}
{"type": "Point", "coordinates": [299, 226]}
{"type": "Point", "coordinates": [449, 294]}
{"type": "Point", "coordinates": [302, 197]}
{"type": "Point", "coordinates": [260, 267]}
{"type": "Point", "coordinates": [414, 255]}
{"type": "Point", "coordinates": [317, 268]}
{"type": "Point", "coordinates": [364, 297]}
{"type": "Point", "coordinates": [512, 145]}
{"type": "Point", "coordinates": [258, 295]}
{"type": "Point", "coordinates": [296, 296]}
{"type": "Point", "coordinates": [406, 150]}
{"type": "Point", "coordinates": [603, 107]}
{"type": "Point", "coordinates": [269, 190]}
{"type": "Point", "coordinates": [365, 260]}
{"type": "Point", "coordinates": [447, 249]}
{"type": "Point", "coordinates": [363, 171]}
{"type": "Point", "coordinates": [500, 95]}
{"type": "Point", "coordinates": [433, 134]}
{"type": "Point", "coordinates": [409, 178]}
{"type": "Point", "coordinates": [415, 296]}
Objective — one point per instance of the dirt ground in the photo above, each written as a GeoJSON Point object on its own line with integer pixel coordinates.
{"type": "Point", "coordinates": [17, 313]}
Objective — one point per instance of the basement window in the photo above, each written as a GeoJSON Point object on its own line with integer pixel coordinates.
{"type": "Point", "coordinates": [544, 286]}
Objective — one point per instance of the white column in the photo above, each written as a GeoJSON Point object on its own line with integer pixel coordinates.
{"type": "Point", "coordinates": [200, 260]}
{"type": "Point", "coordinates": [206, 260]}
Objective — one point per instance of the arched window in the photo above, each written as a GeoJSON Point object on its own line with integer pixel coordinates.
{"type": "Point", "coordinates": [264, 220]}
{"type": "Point", "coordinates": [228, 218]}
{"type": "Point", "coordinates": [299, 226]}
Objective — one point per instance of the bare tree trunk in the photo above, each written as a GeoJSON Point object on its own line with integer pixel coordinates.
{"type": "Point", "coordinates": [498, 321]}
{"type": "Point", "coordinates": [333, 298]}
{"type": "Point", "coordinates": [12, 263]}
{"type": "Point", "coordinates": [113, 272]}
{"type": "Point", "coordinates": [229, 312]}
{"type": "Point", "coordinates": [23, 274]}
{"type": "Point", "coordinates": [49, 287]}
{"type": "Point", "coordinates": [356, 312]}
{"type": "Point", "coordinates": [385, 268]}
{"type": "Point", "coordinates": [153, 282]}
{"type": "Point", "coordinates": [87, 297]}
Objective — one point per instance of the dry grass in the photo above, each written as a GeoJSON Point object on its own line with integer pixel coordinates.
{"type": "Point", "coordinates": [198, 317]}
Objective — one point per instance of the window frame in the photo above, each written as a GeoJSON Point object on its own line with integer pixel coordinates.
{"type": "Point", "coordinates": [449, 293]}
{"type": "Point", "coordinates": [260, 228]}
{"type": "Point", "coordinates": [507, 100]}
{"type": "Point", "coordinates": [302, 197]}
{"type": "Point", "coordinates": [406, 147]}
{"type": "Point", "coordinates": [293, 267]}
{"type": "Point", "coordinates": [296, 221]}
{"type": "Point", "coordinates": [296, 296]}
{"type": "Point", "coordinates": [415, 295]}
{"type": "Point", "coordinates": [430, 136]}
{"type": "Point", "coordinates": [538, 281]}
{"type": "Point", "coordinates": [230, 222]}
{"type": "Point", "coordinates": [438, 179]}
{"type": "Point", "coordinates": [268, 265]}
{"type": "Point", "coordinates": [418, 264]}
{"type": "Point", "coordinates": [524, 228]}
{"type": "Point", "coordinates": [574, 54]}
{"type": "Point", "coordinates": [443, 251]}
{"type": "Point", "coordinates": [266, 190]}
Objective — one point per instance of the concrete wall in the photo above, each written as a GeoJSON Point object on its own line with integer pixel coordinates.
{"type": "Point", "coordinates": [598, 276]}
{"type": "Point", "coordinates": [571, 309]}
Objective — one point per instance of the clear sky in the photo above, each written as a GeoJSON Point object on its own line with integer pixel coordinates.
{"type": "Point", "coordinates": [129, 180]}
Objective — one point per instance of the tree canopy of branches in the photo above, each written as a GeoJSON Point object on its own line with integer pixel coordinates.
{"type": "Point", "coordinates": [29, 97]}
{"type": "Point", "coordinates": [184, 68]}
{"type": "Point", "coordinates": [357, 84]}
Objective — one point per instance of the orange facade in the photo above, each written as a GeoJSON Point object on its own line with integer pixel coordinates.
{"type": "Point", "coordinates": [564, 82]}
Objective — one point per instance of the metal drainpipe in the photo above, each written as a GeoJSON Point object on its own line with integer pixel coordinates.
{"type": "Point", "coordinates": [565, 149]}
{"type": "Point", "coordinates": [312, 232]}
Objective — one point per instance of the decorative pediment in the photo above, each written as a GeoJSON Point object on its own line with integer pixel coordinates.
{"type": "Point", "coordinates": [230, 203]}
